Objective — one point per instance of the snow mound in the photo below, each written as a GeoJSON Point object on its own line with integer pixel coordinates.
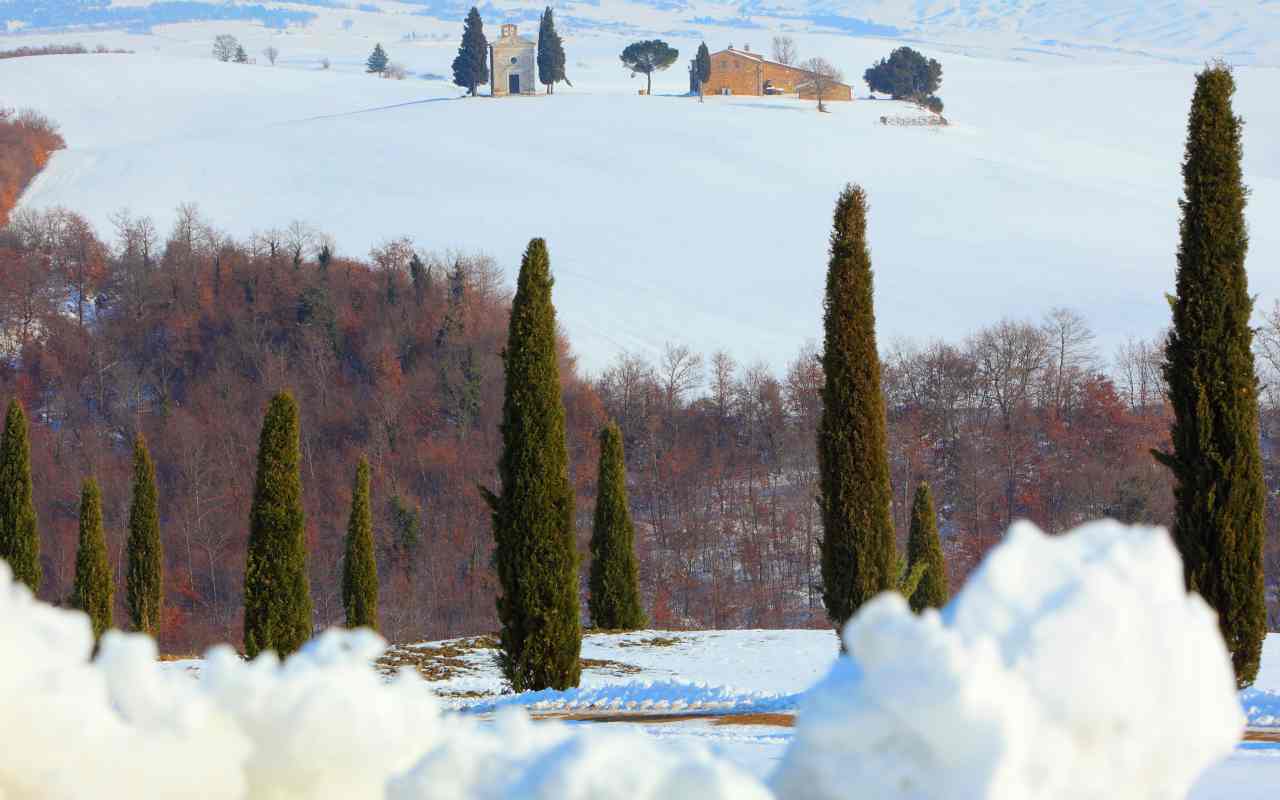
{"type": "Point", "coordinates": [1069, 667]}
{"type": "Point", "coordinates": [322, 725]}
{"type": "Point", "coordinates": [657, 696]}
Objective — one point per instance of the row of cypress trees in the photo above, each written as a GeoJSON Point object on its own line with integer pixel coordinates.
{"type": "Point", "coordinates": [93, 590]}
{"type": "Point", "coordinates": [1216, 460]}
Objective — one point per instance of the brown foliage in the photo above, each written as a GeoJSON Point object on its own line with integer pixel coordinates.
{"type": "Point", "coordinates": [26, 140]}
{"type": "Point", "coordinates": [186, 338]}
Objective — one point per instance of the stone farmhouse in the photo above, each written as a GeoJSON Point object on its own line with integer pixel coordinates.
{"type": "Point", "coordinates": [512, 60]}
{"type": "Point", "coordinates": [744, 72]}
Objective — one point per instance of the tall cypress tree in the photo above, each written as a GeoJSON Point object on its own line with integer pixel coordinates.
{"type": "Point", "coordinates": [536, 552]}
{"type": "Point", "coordinates": [702, 68]}
{"type": "Point", "coordinates": [924, 547]}
{"type": "Point", "coordinates": [277, 595]}
{"type": "Point", "coordinates": [19, 539]}
{"type": "Point", "coordinates": [93, 592]}
{"type": "Point", "coordinates": [1216, 461]}
{"type": "Point", "coordinates": [615, 573]}
{"type": "Point", "coordinates": [550, 53]}
{"type": "Point", "coordinates": [859, 558]}
{"type": "Point", "coordinates": [471, 65]}
{"type": "Point", "coordinates": [144, 573]}
{"type": "Point", "coordinates": [360, 568]}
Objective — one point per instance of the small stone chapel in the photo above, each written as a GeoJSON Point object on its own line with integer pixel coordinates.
{"type": "Point", "coordinates": [512, 60]}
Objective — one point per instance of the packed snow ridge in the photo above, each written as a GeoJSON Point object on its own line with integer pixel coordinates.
{"type": "Point", "coordinates": [1069, 667]}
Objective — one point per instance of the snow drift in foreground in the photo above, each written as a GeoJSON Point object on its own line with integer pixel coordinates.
{"type": "Point", "coordinates": [1070, 667]}
{"type": "Point", "coordinates": [1074, 667]}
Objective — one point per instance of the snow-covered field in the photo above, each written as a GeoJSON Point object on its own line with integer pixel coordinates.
{"type": "Point", "coordinates": [670, 220]}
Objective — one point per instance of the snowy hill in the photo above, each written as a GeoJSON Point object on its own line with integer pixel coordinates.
{"type": "Point", "coordinates": [1244, 31]}
{"type": "Point", "coordinates": [670, 220]}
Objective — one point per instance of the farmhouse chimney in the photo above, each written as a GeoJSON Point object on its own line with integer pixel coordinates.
{"type": "Point", "coordinates": [747, 47]}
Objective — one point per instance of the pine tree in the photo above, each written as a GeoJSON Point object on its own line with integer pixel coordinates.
{"type": "Point", "coordinates": [536, 553]}
{"type": "Point", "coordinates": [378, 60]}
{"type": "Point", "coordinates": [93, 592]}
{"type": "Point", "coordinates": [1216, 462]}
{"type": "Point", "coordinates": [360, 568]}
{"type": "Point", "coordinates": [277, 597]}
{"type": "Point", "coordinates": [241, 56]}
{"type": "Point", "coordinates": [471, 65]}
{"type": "Point", "coordinates": [615, 573]}
{"type": "Point", "coordinates": [144, 572]}
{"type": "Point", "coordinates": [924, 547]}
{"type": "Point", "coordinates": [702, 68]}
{"type": "Point", "coordinates": [858, 551]}
{"type": "Point", "coordinates": [19, 539]}
{"type": "Point", "coordinates": [550, 53]}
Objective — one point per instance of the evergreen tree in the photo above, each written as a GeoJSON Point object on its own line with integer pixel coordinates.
{"type": "Point", "coordinates": [550, 53]}
{"type": "Point", "coordinates": [378, 60]}
{"type": "Point", "coordinates": [615, 572]}
{"type": "Point", "coordinates": [924, 548]}
{"type": "Point", "coordinates": [241, 56]}
{"type": "Point", "coordinates": [536, 554]}
{"type": "Point", "coordinates": [471, 65]}
{"type": "Point", "coordinates": [360, 568]}
{"type": "Point", "coordinates": [19, 539]}
{"type": "Point", "coordinates": [648, 56]}
{"type": "Point", "coordinates": [702, 68]}
{"type": "Point", "coordinates": [277, 597]}
{"type": "Point", "coordinates": [93, 592]}
{"type": "Point", "coordinates": [144, 572]}
{"type": "Point", "coordinates": [858, 551]}
{"type": "Point", "coordinates": [418, 275]}
{"type": "Point", "coordinates": [1216, 462]}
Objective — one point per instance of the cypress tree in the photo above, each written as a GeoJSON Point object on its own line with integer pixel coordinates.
{"type": "Point", "coordinates": [19, 539]}
{"type": "Point", "coordinates": [702, 68]}
{"type": "Point", "coordinates": [93, 592]}
{"type": "Point", "coordinates": [471, 65]}
{"type": "Point", "coordinates": [924, 547]}
{"type": "Point", "coordinates": [1216, 460]}
{"type": "Point", "coordinates": [615, 573]}
{"type": "Point", "coordinates": [536, 552]}
{"type": "Point", "coordinates": [360, 568]}
{"type": "Point", "coordinates": [550, 53]}
{"type": "Point", "coordinates": [144, 572]}
{"type": "Point", "coordinates": [378, 60]}
{"type": "Point", "coordinates": [858, 551]}
{"type": "Point", "coordinates": [277, 596]}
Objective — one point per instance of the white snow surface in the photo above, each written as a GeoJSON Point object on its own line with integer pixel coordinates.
{"type": "Point", "coordinates": [669, 220]}
{"type": "Point", "coordinates": [1069, 667]}
{"type": "Point", "coordinates": [1033, 667]}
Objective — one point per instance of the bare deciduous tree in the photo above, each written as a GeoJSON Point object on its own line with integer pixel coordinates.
{"type": "Point", "coordinates": [821, 75]}
{"type": "Point", "coordinates": [1072, 356]}
{"type": "Point", "coordinates": [271, 54]}
{"type": "Point", "coordinates": [784, 50]}
{"type": "Point", "coordinates": [225, 47]}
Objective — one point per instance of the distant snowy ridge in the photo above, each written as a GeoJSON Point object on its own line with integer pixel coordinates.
{"type": "Point", "coordinates": [1246, 30]}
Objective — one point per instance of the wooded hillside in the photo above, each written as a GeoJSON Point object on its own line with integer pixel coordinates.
{"type": "Point", "coordinates": [185, 336]}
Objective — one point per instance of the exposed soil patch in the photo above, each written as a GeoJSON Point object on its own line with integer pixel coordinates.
{"type": "Point", "coordinates": [1262, 736]}
{"type": "Point", "coordinates": [435, 662]}
{"type": "Point", "coordinates": [610, 666]}
{"type": "Point", "coordinates": [656, 641]}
